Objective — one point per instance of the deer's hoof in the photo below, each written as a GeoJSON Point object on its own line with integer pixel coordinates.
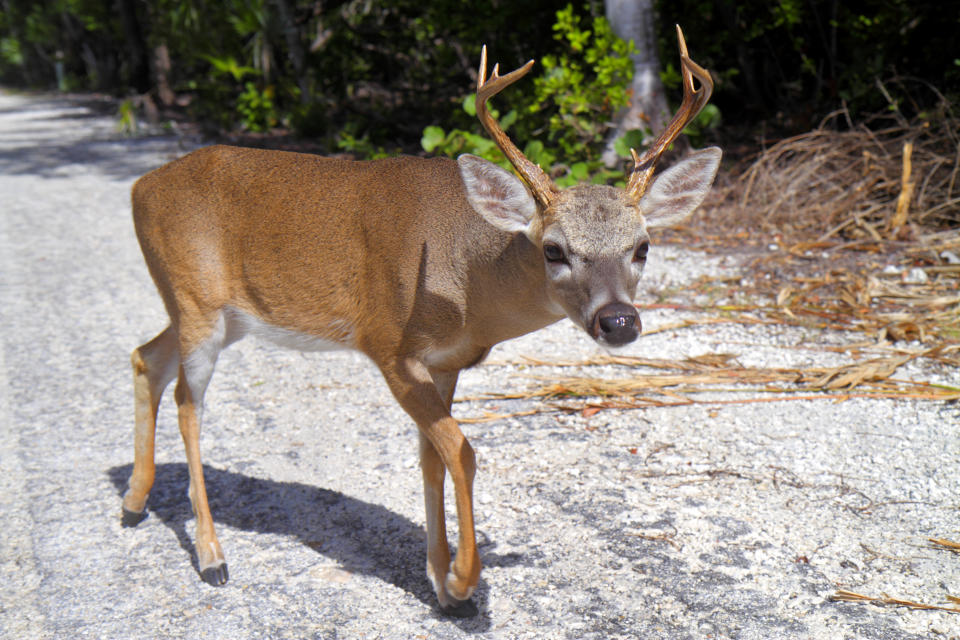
{"type": "Point", "coordinates": [460, 609]}
{"type": "Point", "coordinates": [132, 518]}
{"type": "Point", "coordinates": [215, 576]}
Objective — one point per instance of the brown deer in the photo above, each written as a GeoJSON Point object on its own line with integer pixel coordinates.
{"type": "Point", "coordinates": [421, 264]}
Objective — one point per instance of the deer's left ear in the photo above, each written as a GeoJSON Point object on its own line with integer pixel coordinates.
{"type": "Point", "coordinates": [680, 189]}
{"type": "Point", "coordinates": [498, 196]}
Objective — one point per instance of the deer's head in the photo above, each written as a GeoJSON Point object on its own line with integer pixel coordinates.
{"type": "Point", "coordinates": [593, 238]}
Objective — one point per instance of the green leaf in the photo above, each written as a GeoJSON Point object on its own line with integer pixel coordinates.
{"type": "Point", "coordinates": [632, 139]}
{"type": "Point", "coordinates": [433, 136]}
{"type": "Point", "coordinates": [565, 181]}
{"type": "Point", "coordinates": [580, 171]}
{"type": "Point", "coordinates": [469, 104]}
{"type": "Point", "coordinates": [478, 144]}
{"type": "Point", "coordinates": [230, 66]}
{"type": "Point", "coordinates": [538, 154]}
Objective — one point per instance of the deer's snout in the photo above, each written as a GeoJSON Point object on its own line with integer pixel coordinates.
{"type": "Point", "coordinates": [616, 324]}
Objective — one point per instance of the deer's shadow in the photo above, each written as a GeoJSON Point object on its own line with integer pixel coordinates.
{"type": "Point", "coordinates": [360, 536]}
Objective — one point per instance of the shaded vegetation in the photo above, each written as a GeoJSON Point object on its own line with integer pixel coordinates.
{"type": "Point", "coordinates": [381, 72]}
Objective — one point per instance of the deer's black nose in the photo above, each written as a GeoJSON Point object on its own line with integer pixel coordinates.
{"type": "Point", "coordinates": [616, 324]}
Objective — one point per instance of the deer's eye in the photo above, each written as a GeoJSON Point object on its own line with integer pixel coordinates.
{"type": "Point", "coordinates": [641, 253]}
{"type": "Point", "coordinates": [553, 253]}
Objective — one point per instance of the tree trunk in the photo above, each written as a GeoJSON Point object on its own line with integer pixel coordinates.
{"type": "Point", "coordinates": [161, 74]}
{"type": "Point", "coordinates": [648, 110]}
{"type": "Point", "coordinates": [139, 67]}
{"type": "Point", "coordinates": [295, 47]}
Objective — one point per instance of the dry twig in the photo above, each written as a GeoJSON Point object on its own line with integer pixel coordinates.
{"type": "Point", "coordinates": [949, 545]}
{"type": "Point", "coordinates": [842, 595]}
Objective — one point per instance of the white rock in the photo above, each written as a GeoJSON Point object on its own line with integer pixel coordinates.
{"type": "Point", "coordinates": [916, 276]}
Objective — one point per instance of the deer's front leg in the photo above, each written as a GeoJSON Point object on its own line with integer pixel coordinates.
{"type": "Point", "coordinates": [438, 551]}
{"type": "Point", "coordinates": [443, 447]}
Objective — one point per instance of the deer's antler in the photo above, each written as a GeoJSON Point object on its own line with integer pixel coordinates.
{"type": "Point", "coordinates": [693, 101]}
{"type": "Point", "coordinates": [543, 188]}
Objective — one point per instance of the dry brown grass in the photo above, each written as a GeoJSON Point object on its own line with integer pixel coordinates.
{"type": "Point", "coordinates": [719, 373]}
{"type": "Point", "coordinates": [899, 180]}
{"type": "Point", "coordinates": [837, 219]}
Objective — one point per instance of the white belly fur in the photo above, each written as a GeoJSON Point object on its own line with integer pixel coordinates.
{"type": "Point", "coordinates": [240, 324]}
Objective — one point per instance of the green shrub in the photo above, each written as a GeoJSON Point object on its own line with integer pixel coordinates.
{"type": "Point", "coordinates": [568, 110]}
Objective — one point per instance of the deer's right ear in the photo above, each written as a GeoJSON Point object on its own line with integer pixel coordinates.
{"type": "Point", "coordinates": [498, 195]}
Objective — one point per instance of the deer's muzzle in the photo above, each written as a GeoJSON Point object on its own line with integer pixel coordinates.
{"type": "Point", "coordinates": [616, 324]}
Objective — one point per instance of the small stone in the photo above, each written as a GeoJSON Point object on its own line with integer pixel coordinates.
{"type": "Point", "coordinates": [915, 276]}
{"type": "Point", "coordinates": [950, 257]}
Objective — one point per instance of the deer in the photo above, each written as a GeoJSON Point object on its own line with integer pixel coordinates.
{"type": "Point", "coordinates": [421, 264]}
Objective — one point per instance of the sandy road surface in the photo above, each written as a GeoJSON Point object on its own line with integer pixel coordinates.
{"type": "Point", "coordinates": [703, 521]}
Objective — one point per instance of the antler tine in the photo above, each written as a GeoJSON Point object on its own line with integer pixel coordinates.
{"type": "Point", "coordinates": [693, 102]}
{"type": "Point", "coordinates": [540, 183]}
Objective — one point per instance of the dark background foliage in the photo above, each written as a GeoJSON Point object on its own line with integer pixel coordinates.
{"type": "Point", "coordinates": [369, 75]}
{"type": "Point", "coordinates": [800, 59]}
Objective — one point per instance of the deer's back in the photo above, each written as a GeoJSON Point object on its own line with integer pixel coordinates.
{"type": "Point", "coordinates": [307, 243]}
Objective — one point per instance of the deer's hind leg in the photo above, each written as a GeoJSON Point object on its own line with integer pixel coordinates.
{"type": "Point", "coordinates": [155, 364]}
{"type": "Point", "coordinates": [198, 358]}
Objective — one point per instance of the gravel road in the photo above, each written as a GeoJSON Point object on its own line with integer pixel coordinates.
{"type": "Point", "coordinates": [702, 521]}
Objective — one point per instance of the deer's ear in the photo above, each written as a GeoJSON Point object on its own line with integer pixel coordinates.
{"type": "Point", "coordinates": [680, 189]}
{"type": "Point", "coordinates": [498, 195]}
